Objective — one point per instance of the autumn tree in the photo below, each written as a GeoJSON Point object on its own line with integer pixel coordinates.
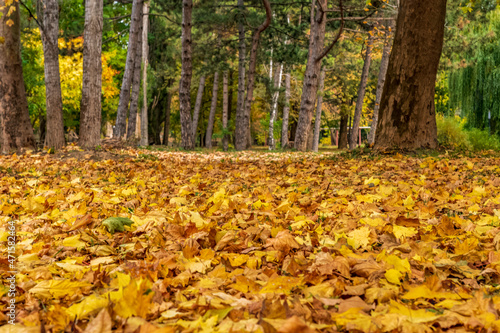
{"type": "Point", "coordinates": [90, 114]}
{"type": "Point", "coordinates": [15, 127]}
{"type": "Point", "coordinates": [407, 111]}
{"type": "Point", "coordinates": [48, 17]}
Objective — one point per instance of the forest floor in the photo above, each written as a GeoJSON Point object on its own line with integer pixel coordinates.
{"type": "Point", "coordinates": [249, 242]}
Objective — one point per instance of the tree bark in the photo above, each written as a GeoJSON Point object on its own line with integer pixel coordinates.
{"type": "Point", "coordinates": [145, 56]}
{"type": "Point", "coordinates": [133, 39]}
{"type": "Point", "coordinates": [319, 105]}
{"type": "Point", "coordinates": [197, 107]}
{"type": "Point", "coordinates": [242, 131]}
{"type": "Point", "coordinates": [136, 86]}
{"type": "Point", "coordinates": [211, 117]}
{"type": "Point", "coordinates": [187, 141]}
{"type": "Point", "coordinates": [274, 105]}
{"type": "Point", "coordinates": [286, 111]}
{"type": "Point", "coordinates": [15, 127]}
{"type": "Point", "coordinates": [384, 64]}
{"type": "Point", "coordinates": [48, 16]}
{"type": "Point", "coordinates": [166, 127]}
{"type": "Point", "coordinates": [361, 94]}
{"type": "Point", "coordinates": [239, 131]}
{"type": "Point", "coordinates": [344, 121]}
{"type": "Point", "coordinates": [407, 111]}
{"type": "Point", "coordinates": [225, 102]}
{"type": "Point", "coordinates": [90, 110]}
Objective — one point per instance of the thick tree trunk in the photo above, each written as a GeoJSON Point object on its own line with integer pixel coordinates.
{"type": "Point", "coordinates": [166, 127]}
{"type": "Point", "coordinates": [239, 131]}
{"type": "Point", "coordinates": [407, 111]}
{"type": "Point", "coordinates": [225, 102]}
{"type": "Point", "coordinates": [15, 127]}
{"type": "Point", "coordinates": [353, 140]}
{"type": "Point", "coordinates": [186, 73]}
{"type": "Point", "coordinates": [319, 105]}
{"type": "Point", "coordinates": [211, 118]}
{"type": "Point", "coordinates": [90, 110]}
{"type": "Point", "coordinates": [384, 64]}
{"type": "Point", "coordinates": [48, 16]}
{"type": "Point", "coordinates": [243, 120]}
{"type": "Point", "coordinates": [344, 121]}
{"type": "Point", "coordinates": [197, 107]}
{"type": "Point", "coordinates": [311, 76]}
{"type": "Point", "coordinates": [145, 56]}
{"type": "Point", "coordinates": [133, 39]}
{"type": "Point", "coordinates": [136, 86]}
{"type": "Point", "coordinates": [274, 105]}
{"type": "Point", "coordinates": [286, 112]}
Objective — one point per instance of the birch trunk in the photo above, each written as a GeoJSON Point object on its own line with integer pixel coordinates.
{"type": "Point", "coordinates": [136, 86]}
{"type": "Point", "coordinates": [319, 105]}
{"type": "Point", "coordinates": [145, 55]}
{"type": "Point", "coordinates": [286, 111]}
{"type": "Point", "coordinates": [225, 102]}
{"type": "Point", "coordinates": [90, 110]}
{"type": "Point", "coordinates": [186, 74]}
{"type": "Point", "coordinates": [274, 106]}
{"type": "Point", "coordinates": [123, 104]}
{"type": "Point", "coordinates": [211, 118]}
{"type": "Point", "coordinates": [239, 131]}
{"type": "Point", "coordinates": [166, 126]}
{"type": "Point", "coordinates": [353, 140]}
{"type": "Point", "coordinates": [48, 15]}
{"type": "Point", "coordinates": [15, 127]}
{"type": "Point", "coordinates": [197, 107]}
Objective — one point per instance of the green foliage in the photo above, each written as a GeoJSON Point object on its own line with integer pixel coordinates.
{"type": "Point", "coordinates": [482, 140]}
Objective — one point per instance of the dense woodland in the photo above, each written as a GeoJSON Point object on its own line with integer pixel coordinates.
{"type": "Point", "coordinates": [283, 74]}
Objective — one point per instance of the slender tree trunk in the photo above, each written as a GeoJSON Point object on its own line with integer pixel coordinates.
{"type": "Point", "coordinates": [319, 105]}
{"type": "Point", "coordinates": [135, 24]}
{"type": "Point", "coordinates": [239, 131]}
{"type": "Point", "coordinates": [15, 127]}
{"type": "Point", "coordinates": [274, 105]}
{"type": "Point", "coordinates": [197, 107]}
{"type": "Point", "coordinates": [384, 64]}
{"type": "Point", "coordinates": [286, 111]}
{"type": "Point", "coordinates": [353, 140]}
{"type": "Point", "coordinates": [344, 121]}
{"type": "Point", "coordinates": [407, 117]}
{"type": "Point", "coordinates": [136, 85]}
{"type": "Point", "coordinates": [90, 110]}
{"type": "Point", "coordinates": [225, 102]}
{"type": "Point", "coordinates": [166, 127]}
{"type": "Point", "coordinates": [186, 74]}
{"type": "Point", "coordinates": [211, 118]}
{"type": "Point", "coordinates": [243, 118]}
{"type": "Point", "coordinates": [48, 16]}
{"type": "Point", "coordinates": [145, 55]}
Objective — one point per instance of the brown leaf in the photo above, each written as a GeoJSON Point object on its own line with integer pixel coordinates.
{"type": "Point", "coordinates": [100, 324]}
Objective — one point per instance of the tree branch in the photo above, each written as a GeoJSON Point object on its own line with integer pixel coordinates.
{"type": "Point", "coordinates": [325, 52]}
{"type": "Point", "coordinates": [31, 14]}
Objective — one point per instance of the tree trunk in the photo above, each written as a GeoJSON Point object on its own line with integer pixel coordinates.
{"type": "Point", "coordinates": [145, 55]}
{"type": "Point", "coordinates": [274, 105]}
{"type": "Point", "coordinates": [361, 94]}
{"type": "Point", "coordinates": [311, 76]}
{"type": "Point", "coordinates": [186, 73]}
{"type": "Point", "coordinates": [48, 15]}
{"type": "Point", "coordinates": [344, 121]}
{"type": "Point", "coordinates": [407, 111]}
{"type": "Point", "coordinates": [90, 110]}
{"type": "Point", "coordinates": [197, 107]}
{"type": "Point", "coordinates": [239, 131]}
{"type": "Point", "coordinates": [319, 104]}
{"type": "Point", "coordinates": [133, 39]}
{"type": "Point", "coordinates": [166, 127]}
{"type": "Point", "coordinates": [384, 63]}
{"type": "Point", "coordinates": [242, 131]}
{"type": "Point", "coordinates": [225, 102]}
{"type": "Point", "coordinates": [286, 111]}
{"type": "Point", "coordinates": [15, 127]}
{"type": "Point", "coordinates": [136, 85]}
{"type": "Point", "coordinates": [211, 118]}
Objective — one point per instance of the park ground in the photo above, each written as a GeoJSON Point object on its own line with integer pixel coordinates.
{"type": "Point", "coordinates": [251, 241]}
